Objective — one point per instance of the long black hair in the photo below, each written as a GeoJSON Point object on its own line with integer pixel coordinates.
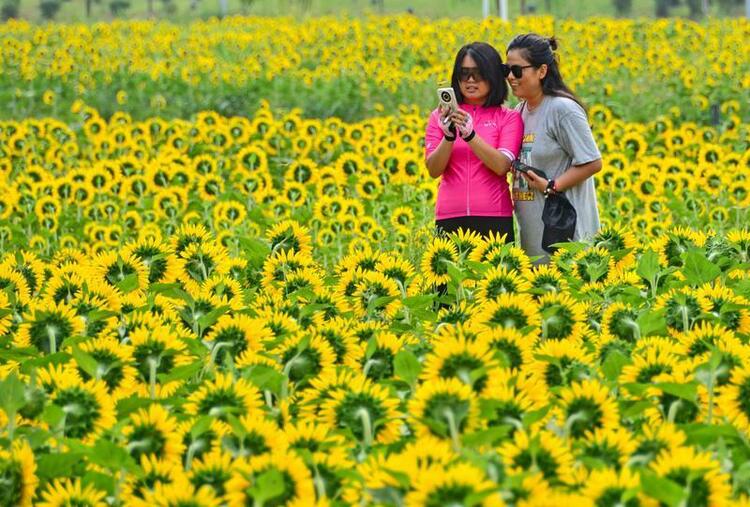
{"type": "Point", "coordinates": [538, 50]}
{"type": "Point", "coordinates": [489, 63]}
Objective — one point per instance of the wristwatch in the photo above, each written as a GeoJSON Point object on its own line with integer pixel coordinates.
{"type": "Point", "coordinates": [551, 188]}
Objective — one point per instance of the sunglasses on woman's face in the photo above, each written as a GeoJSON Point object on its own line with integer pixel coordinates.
{"type": "Point", "coordinates": [467, 72]}
{"type": "Point", "coordinates": [517, 70]}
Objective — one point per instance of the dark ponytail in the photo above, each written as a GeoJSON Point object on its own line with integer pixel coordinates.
{"type": "Point", "coordinates": [538, 50]}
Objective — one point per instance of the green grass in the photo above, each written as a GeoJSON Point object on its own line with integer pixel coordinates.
{"type": "Point", "coordinates": [74, 11]}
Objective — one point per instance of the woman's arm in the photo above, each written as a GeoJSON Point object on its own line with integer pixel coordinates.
{"type": "Point", "coordinates": [495, 160]}
{"type": "Point", "coordinates": [498, 160]}
{"type": "Point", "coordinates": [437, 161]}
{"type": "Point", "coordinates": [576, 175]}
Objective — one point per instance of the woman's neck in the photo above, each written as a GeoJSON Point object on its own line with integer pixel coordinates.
{"type": "Point", "coordinates": [533, 102]}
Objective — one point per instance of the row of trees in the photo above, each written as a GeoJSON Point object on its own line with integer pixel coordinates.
{"type": "Point", "coordinates": [50, 8]}
{"type": "Point", "coordinates": [698, 8]}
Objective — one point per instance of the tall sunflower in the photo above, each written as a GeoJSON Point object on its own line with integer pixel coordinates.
{"type": "Point", "coordinates": [298, 488]}
{"type": "Point", "coordinates": [18, 475]}
{"type": "Point", "coordinates": [65, 492]}
{"type": "Point", "coordinates": [153, 431]}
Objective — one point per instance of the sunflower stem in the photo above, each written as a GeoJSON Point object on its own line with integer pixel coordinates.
{"type": "Point", "coordinates": [364, 416]}
{"type": "Point", "coordinates": [450, 417]}
{"type": "Point", "coordinates": [578, 416]}
{"type": "Point", "coordinates": [52, 339]}
{"type": "Point", "coordinates": [215, 352]}
{"type": "Point", "coordinates": [634, 326]}
{"type": "Point", "coordinates": [685, 318]}
{"type": "Point", "coordinates": [369, 364]}
{"type": "Point", "coordinates": [152, 365]}
{"type": "Point", "coordinates": [320, 484]}
{"type": "Point", "coordinates": [673, 408]}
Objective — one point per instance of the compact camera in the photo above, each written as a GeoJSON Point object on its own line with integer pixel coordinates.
{"type": "Point", "coordinates": [447, 99]}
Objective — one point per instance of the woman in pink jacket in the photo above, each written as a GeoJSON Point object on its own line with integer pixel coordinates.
{"type": "Point", "coordinates": [471, 150]}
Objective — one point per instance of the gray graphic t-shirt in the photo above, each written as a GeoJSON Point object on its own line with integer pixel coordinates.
{"type": "Point", "coordinates": [556, 136]}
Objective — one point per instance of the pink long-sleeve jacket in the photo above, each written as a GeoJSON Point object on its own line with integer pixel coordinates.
{"type": "Point", "coordinates": [468, 187]}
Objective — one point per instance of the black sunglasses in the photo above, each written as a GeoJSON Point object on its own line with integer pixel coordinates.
{"type": "Point", "coordinates": [517, 70]}
{"type": "Point", "coordinates": [466, 72]}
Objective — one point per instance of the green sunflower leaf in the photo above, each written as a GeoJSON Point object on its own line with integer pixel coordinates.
{"type": "Point", "coordinates": [265, 378]}
{"type": "Point", "coordinates": [211, 317]}
{"type": "Point", "coordinates": [662, 489]}
{"type": "Point", "coordinates": [180, 372]}
{"type": "Point", "coordinates": [698, 269]}
{"type": "Point", "coordinates": [491, 436]}
{"type": "Point", "coordinates": [129, 283]}
{"type": "Point", "coordinates": [171, 290]}
{"type": "Point", "coordinates": [86, 362]}
{"type": "Point", "coordinates": [652, 322]}
{"type": "Point", "coordinates": [268, 485]}
{"type": "Point", "coordinates": [111, 456]}
{"type": "Point", "coordinates": [613, 364]}
{"type": "Point", "coordinates": [49, 466]}
{"type": "Point", "coordinates": [255, 250]}
{"type": "Point", "coordinates": [407, 367]}
{"type": "Point", "coordinates": [12, 396]}
{"type": "Point", "coordinates": [100, 481]}
{"type": "Point", "coordinates": [685, 391]}
{"type": "Point", "coordinates": [707, 434]}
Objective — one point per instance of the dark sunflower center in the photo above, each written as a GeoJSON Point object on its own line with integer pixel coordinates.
{"type": "Point", "coordinates": [509, 316]}
{"type": "Point", "coordinates": [498, 286]}
{"type": "Point", "coordinates": [199, 267]}
{"type": "Point", "coordinates": [156, 266]}
{"type": "Point", "coordinates": [623, 325]}
{"type": "Point", "coordinates": [542, 460]}
{"type": "Point", "coordinates": [380, 364]}
{"type": "Point", "coordinates": [81, 411]}
{"type": "Point", "coordinates": [109, 363]}
{"type": "Point", "coordinates": [146, 440]}
{"type": "Point", "coordinates": [353, 408]}
{"type": "Point", "coordinates": [285, 241]}
{"type": "Point", "coordinates": [304, 365]}
{"type": "Point", "coordinates": [235, 340]}
{"type": "Point", "coordinates": [252, 444]}
{"type": "Point", "coordinates": [449, 495]}
{"type": "Point", "coordinates": [607, 454]}
{"type": "Point", "coordinates": [11, 483]}
{"type": "Point", "coordinates": [557, 322]}
{"type": "Point", "coordinates": [699, 490]}
{"type": "Point", "coordinates": [444, 409]}
{"type": "Point", "coordinates": [117, 272]}
{"type": "Point", "coordinates": [461, 367]}
{"type": "Point", "coordinates": [215, 478]}
{"type": "Point", "coordinates": [66, 292]}
{"type": "Point", "coordinates": [650, 371]}
{"type": "Point", "coordinates": [220, 403]}
{"type": "Point", "coordinates": [439, 262]}
{"type": "Point", "coordinates": [509, 353]}
{"type": "Point", "coordinates": [686, 411]}
{"type": "Point", "coordinates": [152, 352]}
{"type": "Point", "coordinates": [49, 327]}
{"type": "Point", "coordinates": [588, 416]}
{"type": "Point", "coordinates": [613, 496]}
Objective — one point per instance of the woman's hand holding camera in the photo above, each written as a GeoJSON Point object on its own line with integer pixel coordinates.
{"type": "Point", "coordinates": [465, 125]}
{"type": "Point", "coordinates": [447, 125]}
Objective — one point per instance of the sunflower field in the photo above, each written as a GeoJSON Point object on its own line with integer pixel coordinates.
{"type": "Point", "coordinates": [200, 308]}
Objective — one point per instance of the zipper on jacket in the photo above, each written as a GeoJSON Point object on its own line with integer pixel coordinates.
{"type": "Point", "coordinates": [468, 167]}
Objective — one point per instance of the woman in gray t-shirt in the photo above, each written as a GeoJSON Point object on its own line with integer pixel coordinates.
{"type": "Point", "coordinates": [557, 139]}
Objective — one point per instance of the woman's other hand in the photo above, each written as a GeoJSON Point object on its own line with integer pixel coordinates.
{"type": "Point", "coordinates": [535, 181]}
{"type": "Point", "coordinates": [463, 122]}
